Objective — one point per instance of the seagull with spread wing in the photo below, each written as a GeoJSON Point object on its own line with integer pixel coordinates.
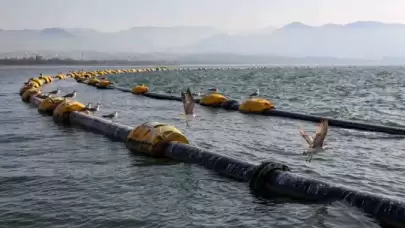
{"type": "Point", "coordinates": [316, 143]}
{"type": "Point", "coordinates": [188, 104]}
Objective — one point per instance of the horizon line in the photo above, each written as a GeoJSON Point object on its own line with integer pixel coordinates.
{"type": "Point", "coordinates": [213, 27]}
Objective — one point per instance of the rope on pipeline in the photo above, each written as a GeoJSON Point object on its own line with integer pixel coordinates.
{"type": "Point", "coordinates": [270, 177]}
{"type": "Point", "coordinates": [252, 105]}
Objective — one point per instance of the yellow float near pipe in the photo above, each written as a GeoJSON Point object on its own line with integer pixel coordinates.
{"type": "Point", "coordinates": [256, 105]}
{"type": "Point", "coordinates": [38, 81]}
{"type": "Point", "coordinates": [26, 96]}
{"type": "Point", "coordinates": [46, 79]}
{"type": "Point", "coordinates": [60, 77]}
{"type": "Point", "coordinates": [93, 81]}
{"type": "Point", "coordinates": [28, 86]}
{"type": "Point", "coordinates": [49, 104]}
{"type": "Point", "coordinates": [213, 99]}
{"type": "Point", "coordinates": [64, 108]}
{"type": "Point", "coordinates": [80, 79]}
{"type": "Point", "coordinates": [140, 89]}
{"type": "Point", "coordinates": [147, 136]}
{"type": "Point", "coordinates": [103, 84]}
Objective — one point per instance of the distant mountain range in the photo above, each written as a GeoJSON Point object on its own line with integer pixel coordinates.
{"type": "Point", "coordinates": [363, 39]}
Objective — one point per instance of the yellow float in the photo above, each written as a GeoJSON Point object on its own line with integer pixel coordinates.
{"type": "Point", "coordinates": [93, 81]}
{"type": "Point", "coordinates": [28, 86]}
{"type": "Point", "coordinates": [64, 108]}
{"type": "Point", "coordinates": [256, 105]}
{"type": "Point", "coordinates": [213, 99]}
{"type": "Point", "coordinates": [49, 79]}
{"type": "Point", "coordinates": [37, 81]}
{"type": "Point", "coordinates": [49, 104]}
{"type": "Point", "coordinates": [26, 96]}
{"type": "Point", "coordinates": [149, 137]}
{"type": "Point", "coordinates": [46, 79]}
{"type": "Point", "coordinates": [80, 79]}
{"type": "Point", "coordinates": [60, 77]}
{"type": "Point", "coordinates": [140, 89]}
{"type": "Point", "coordinates": [103, 84]}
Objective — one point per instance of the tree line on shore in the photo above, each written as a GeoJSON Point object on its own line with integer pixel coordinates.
{"type": "Point", "coordinates": [67, 61]}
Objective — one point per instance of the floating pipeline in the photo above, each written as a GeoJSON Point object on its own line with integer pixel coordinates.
{"type": "Point", "coordinates": [269, 178]}
{"type": "Point", "coordinates": [234, 105]}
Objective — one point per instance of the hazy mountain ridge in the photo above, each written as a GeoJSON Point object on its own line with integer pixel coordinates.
{"type": "Point", "coordinates": [137, 39]}
{"type": "Point", "coordinates": [354, 40]}
{"type": "Point", "coordinates": [363, 39]}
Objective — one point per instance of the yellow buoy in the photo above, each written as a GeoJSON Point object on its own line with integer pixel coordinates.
{"type": "Point", "coordinates": [38, 81]}
{"type": "Point", "coordinates": [28, 86]}
{"type": "Point", "coordinates": [64, 108]}
{"type": "Point", "coordinates": [80, 79]}
{"type": "Point", "coordinates": [103, 83]}
{"type": "Point", "coordinates": [48, 79]}
{"type": "Point", "coordinates": [93, 81]}
{"type": "Point", "coordinates": [213, 99]}
{"type": "Point", "coordinates": [146, 138]}
{"type": "Point", "coordinates": [60, 77]}
{"type": "Point", "coordinates": [49, 104]}
{"type": "Point", "coordinates": [140, 89]}
{"type": "Point", "coordinates": [26, 96]}
{"type": "Point", "coordinates": [256, 105]}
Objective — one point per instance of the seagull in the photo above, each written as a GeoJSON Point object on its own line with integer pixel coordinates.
{"type": "Point", "coordinates": [55, 92]}
{"type": "Point", "coordinates": [89, 105]}
{"type": "Point", "coordinates": [71, 95]}
{"type": "Point", "coordinates": [96, 109]}
{"type": "Point", "coordinates": [188, 104]}
{"type": "Point", "coordinates": [111, 116]}
{"type": "Point", "coordinates": [315, 144]}
{"type": "Point", "coordinates": [255, 94]}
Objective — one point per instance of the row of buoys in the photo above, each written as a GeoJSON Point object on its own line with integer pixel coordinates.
{"type": "Point", "coordinates": [162, 140]}
{"type": "Point", "coordinates": [213, 99]}
{"type": "Point", "coordinates": [96, 79]}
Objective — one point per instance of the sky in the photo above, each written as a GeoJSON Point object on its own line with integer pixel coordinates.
{"type": "Point", "coordinates": [231, 15]}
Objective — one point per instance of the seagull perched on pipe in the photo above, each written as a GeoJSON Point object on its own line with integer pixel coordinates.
{"type": "Point", "coordinates": [89, 105]}
{"type": "Point", "coordinates": [95, 109]}
{"type": "Point", "coordinates": [255, 94]}
{"type": "Point", "coordinates": [70, 95]}
{"type": "Point", "coordinates": [188, 105]}
{"type": "Point", "coordinates": [111, 116]}
{"type": "Point", "coordinates": [315, 144]}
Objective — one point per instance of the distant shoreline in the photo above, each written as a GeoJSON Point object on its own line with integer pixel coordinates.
{"type": "Point", "coordinates": [72, 62]}
{"type": "Point", "coordinates": [194, 62]}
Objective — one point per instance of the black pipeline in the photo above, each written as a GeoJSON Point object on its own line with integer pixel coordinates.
{"type": "Point", "coordinates": [269, 178]}
{"type": "Point", "coordinates": [234, 105]}
{"type": "Point", "coordinates": [274, 179]}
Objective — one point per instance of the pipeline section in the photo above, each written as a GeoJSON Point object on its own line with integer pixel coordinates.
{"type": "Point", "coordinates": [269, 178]}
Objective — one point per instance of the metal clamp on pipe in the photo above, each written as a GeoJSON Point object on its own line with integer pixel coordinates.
{"type": "Point", "coordinates": [261, 174]}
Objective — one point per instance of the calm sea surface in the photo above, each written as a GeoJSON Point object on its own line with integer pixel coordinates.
{"type": "Point", "coordinates": [54, 176]}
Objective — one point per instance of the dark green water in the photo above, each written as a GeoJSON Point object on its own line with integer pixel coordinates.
{"type": "Point", "coordinates": [54, 176]}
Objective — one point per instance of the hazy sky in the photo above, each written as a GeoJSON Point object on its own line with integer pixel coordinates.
{"type": "Point", "coordinates": [113, 15]}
